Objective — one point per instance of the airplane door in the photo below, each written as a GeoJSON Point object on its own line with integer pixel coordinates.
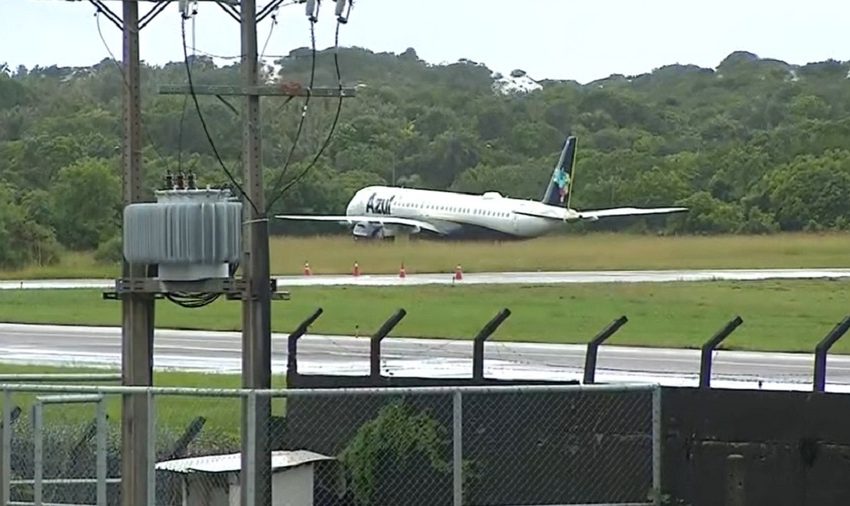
{"type": "Point", "coordinates": [515, 220]}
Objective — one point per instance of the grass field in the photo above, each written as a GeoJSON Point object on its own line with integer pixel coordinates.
{"type": "Point", "coordinates": [778, 315]}
{"type": "Point", "coordinates": [174, 413]}
{"type": "Point", "coordinates": [337, 254]}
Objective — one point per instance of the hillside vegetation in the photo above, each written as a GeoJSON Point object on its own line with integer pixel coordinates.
{"type": "Point", "coordinates": [752, 146]}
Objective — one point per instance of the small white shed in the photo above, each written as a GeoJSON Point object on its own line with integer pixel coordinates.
{"type": "Point", "coordinates": [213, 480]}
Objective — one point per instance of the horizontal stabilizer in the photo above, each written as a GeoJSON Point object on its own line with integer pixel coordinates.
{"type": "Point", "coordinates": [352, 219]}
{"type": "Point", "coordinates": [627, 211]}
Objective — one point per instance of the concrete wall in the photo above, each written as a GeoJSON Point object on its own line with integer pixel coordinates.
{"type": "Point", "coordinates": [796, 446]}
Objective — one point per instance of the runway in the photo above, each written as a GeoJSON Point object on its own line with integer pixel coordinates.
{"type": "Point", "coordinates": [220, 352]}
{"type": "Point", "coordinates": [494, 278]}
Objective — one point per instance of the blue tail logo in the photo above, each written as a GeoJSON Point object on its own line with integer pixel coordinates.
{"type": "Point", "coordinates": [558, 191]}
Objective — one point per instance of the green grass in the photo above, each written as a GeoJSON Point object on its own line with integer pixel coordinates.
{"type": "Point", "coordinates": [74, 264]}
{"type": "Point", "coordinates": [174, 413]}
{"type": "Point", "coordinates": [337, 254]}
{"type": "Point", "coordinates": [329, 255]}
{"type": "Point", "coordinates": [778, 315]}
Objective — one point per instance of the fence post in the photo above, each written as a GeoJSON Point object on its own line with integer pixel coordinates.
{"type": "Point", "coordinates": [6, 448]}
{"type": "Point", "coordinates": [375, 342]}
{"type": "Point", "coordinates": [457, 448]}
{"type": "Point", "coordinates": [100, 436]}
{"type": "Point", "coordinates": [478, 343]}
{"type": "Point", "coordinates": [656, 443]}
{"type": "Point", "coordinates": [38, 463]}
{"type": "Point", "coordinates": [823, 348]}
{"type": "Point", "coordinates": [709, 346]}
{"type": "Point", "coordinates": [249, 470]}
{"type": "Point", "coordinates": [151, 448]}
{"type": "Point", "coordinates": [735, 489]}
{"type": "Point", "coordinates": [292, 342]}
{"type": "Point", "coordinates": [593, 347]}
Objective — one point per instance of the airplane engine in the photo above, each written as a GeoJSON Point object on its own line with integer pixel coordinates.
{"type": "Point", "coordinates": [374, 231]}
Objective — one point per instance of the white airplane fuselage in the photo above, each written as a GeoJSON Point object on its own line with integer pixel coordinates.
{"type": "Point", "coordinates": [385, 211]}
{"type": "Point", "coordinates": [456, 214]}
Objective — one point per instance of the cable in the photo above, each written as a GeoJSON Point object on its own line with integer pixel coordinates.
{"type": "Point", "coordinates": [180, 135]}
{"type": "Point", "coordinates": [269, 36]}
{"type": "Point", "coordinates": [192, 300]}
{"type": "Point", "coordinates": [183, 111]}
{"type": "Point", "coordinates": [336, 117]}
{"type": "Point", "coordinates": [276, 188]}
{"type": "Point", "coordinates": [231, 56]}
{"type": "Point", "coordinates": [203, 121]}
{"type": "Point", "coordinates": [147, 134]}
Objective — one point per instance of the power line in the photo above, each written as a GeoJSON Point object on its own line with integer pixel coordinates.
{"type": "Point", "coordinates": [269, 36]}
{"type": "Point", "coordinates": [333, 125]}
{"type": "Point", "coordinates": [203, 121]}
{"type": "Point", "coordinates": [276, 189]}
{"type": "Point", "coordinates": [340, 20]}
{"type": "Point", "coordinates": [234, 56]}
{"type": "Point", "coordinates": [97, 13]}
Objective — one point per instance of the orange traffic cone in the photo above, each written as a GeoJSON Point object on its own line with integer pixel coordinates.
{"type": "Point", "coordinates": [402, 273]}
{"type": "Point", "coordinates": [356, 270]}
{"type": "Point", "coordinates": [307, 271]}
{"type": "Point", "coordinates": [458, 273]}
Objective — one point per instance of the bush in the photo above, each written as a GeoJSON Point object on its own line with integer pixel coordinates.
{"type": "Point", "coordinates": [399, 453]}
{"type": "Point", "coordinates": [110, 251]}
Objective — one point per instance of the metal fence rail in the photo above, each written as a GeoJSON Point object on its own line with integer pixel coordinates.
{"type": "Point", "coordinates": [498, 445]}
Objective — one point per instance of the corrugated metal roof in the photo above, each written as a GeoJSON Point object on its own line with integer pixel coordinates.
{"type": "Point", "coordinates": [233, 462]}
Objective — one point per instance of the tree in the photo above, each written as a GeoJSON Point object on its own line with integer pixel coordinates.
{"type": "Point", "coordinates": [755, 140]}
{"type": "Point", "coordinates": [811, 191]}
{"type": "Point", "coordinates": [22, 240]}
{"type": "Point", "coordinates": [86, 203]}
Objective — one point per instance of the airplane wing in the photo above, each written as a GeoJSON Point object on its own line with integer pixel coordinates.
{"type": "Point", "coordinates": [627, 211]}
{"type": "Point", "coordinates": [563, 214]}
{"type": "Point", "coordinates": [352, 219]}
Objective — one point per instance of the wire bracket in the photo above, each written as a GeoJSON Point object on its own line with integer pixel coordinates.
{"type": "Point", "coordinates": [231, 288]}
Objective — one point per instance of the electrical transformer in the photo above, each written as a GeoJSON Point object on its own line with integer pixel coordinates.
{"type": "Point", "coordinates": [191, 234]}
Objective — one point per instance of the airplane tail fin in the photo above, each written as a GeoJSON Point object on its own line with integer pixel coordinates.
{"type": "Point", "coordinates": [558, 192]}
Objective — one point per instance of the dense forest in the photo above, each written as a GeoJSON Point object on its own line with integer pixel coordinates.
{"type": "Point", "coordinates": [752, 146]}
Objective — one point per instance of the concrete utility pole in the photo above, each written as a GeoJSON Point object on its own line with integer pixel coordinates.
{"type": "Point", "coordinates": [255, 488]}
{"type": "Point", "coordinates": [137, 308]}
{"type": "Point", "coordinates": [138, 288]}
{"type": "Point", "coordinates": [256, 306]}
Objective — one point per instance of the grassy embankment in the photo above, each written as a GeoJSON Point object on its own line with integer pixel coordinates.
{"type": "Point", "coordinates": [778, 315]}
{"type": "Point", "coordinates": [336, 254]}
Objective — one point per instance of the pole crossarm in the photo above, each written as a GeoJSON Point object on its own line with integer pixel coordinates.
{"type": "Point", "coordinates": [268, 9]}
{"type": "Point", "coordinates": [231, 11]}
{"type": "Point", "coordinates": [155, 11]}
{"type": "Point", "coordinates": [261, 91]}
{"type": "Point", "coordinates": [106, 11]}
{"type": "Point", "coordinates": [151, 14]}
{"type": "Point", "coordinates": [226, 2]}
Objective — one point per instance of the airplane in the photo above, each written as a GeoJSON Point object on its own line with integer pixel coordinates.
{"type": "Point", "coordinates": [383, 212]}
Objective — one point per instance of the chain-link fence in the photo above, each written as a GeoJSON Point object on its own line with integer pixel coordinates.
{"type": "Point", "coordinates": [502, 445]}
